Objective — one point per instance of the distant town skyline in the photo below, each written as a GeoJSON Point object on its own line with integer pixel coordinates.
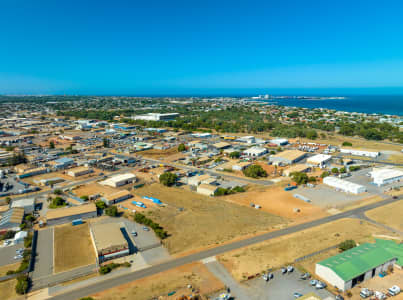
{"type": "Point", "coordinates": [201, 47]}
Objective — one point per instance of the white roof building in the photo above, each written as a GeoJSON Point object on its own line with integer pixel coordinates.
{"type": "Point", "coordinates": [384, 176]}
{"type": "Point", "coordinates": [360, 152]}
{"type": "Point", "coordinates": [255, 151]}
{"type": "Point", "coordinates": [344, 185]}
{"type": "Point", "coordinates": [279, 142]}
{"type": "Point", "coordinates": [119, 180]}
{"type": "Point", "coordinates": [27, 204]}
{"type": "Point", "coordinates": [319, 159]}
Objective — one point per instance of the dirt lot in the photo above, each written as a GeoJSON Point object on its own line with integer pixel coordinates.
{"type": "Point", "coordinates": [94, 188]}
{"type": "Point", "coordinates": [276, 201]}
{"type": "Point", "coordinates": [4, 269]}
{"type": "Point", "coordinates": [280, 251]}
{"type": "Point", "coordinates": [390, 215]}
{"type": "Point", "coordinates": [7, 289]}
{"type": "Point", "coordinates": [161, 284]}
{"type": "Point", "coordinates": [73, 247]}
{"type": "Point", "coordinates": [156, 154]}
{"type": "Point", "coordinates": [195, 221]}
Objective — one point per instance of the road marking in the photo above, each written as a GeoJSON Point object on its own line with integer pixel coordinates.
{"type": "Point", "coordinates": [209, 260]}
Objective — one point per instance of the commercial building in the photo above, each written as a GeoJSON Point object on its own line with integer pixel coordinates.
{"type": "Point", "coordinates": [279, 142]}
{"type": "Point", "coordinates": [255, 151]}
{"type": "Point", "coordinates": [287, 157]}
{"type": "Point", "coordinates": [108, 241]}
{"type": "Point", "coordinates": [117, 197]}
{"type": "Point", "coordinates": [344, 185]}
{"type": "Point", "coordinates": [207, 189]}
{"type": "Point", "coordinates": [241, 165]}
{"type": "Point", "coordinates": [360, 152]}
{"type": "Point", "coordinates": [221, 145]}
{"type": "Point", "coordinates": [33, 172]}
{"type": "Point", "coordinates": [63, 163]}
{"type": "Point", "coordinates": [119, 180]}
{"type": "Point", "coordinates": [296, 168]}
{"type": "Point", "coordinates": [68, 214]}
{"type": "Point", "coordinates": [156, 117]}
{"type": "Point", "coordinates": [27, 204]}
{"type": "Point", "coordinates": [361, 263]}
{"type": "Point", "coordinates": [196, 180]}
{"type": "Point", "coordinates": [318, 160]}
{"type": "Point", "coordinates": [12, 219]}
{"type": "Point", "coordinates": [79, 171]}
{"type": "Point", "coordinates": [384, 176]}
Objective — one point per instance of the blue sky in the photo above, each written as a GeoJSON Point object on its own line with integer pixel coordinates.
{"type": "Point", "coordinates": [184, 47]}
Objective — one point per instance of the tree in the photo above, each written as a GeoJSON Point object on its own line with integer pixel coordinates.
{"type": "Point", "coordinates": [299, 177]}
{"type": "Point", "coordinates": [347, 244]}
{"type": "Point", "coordinates": [235, 155]}
{"type": "Point", "coordinates": [106, 143]}
{"type": "Point", "coordinates": [335, 171]}
{"type": "Point", "coordinates": [168, 178]}
{"type": "Point", "coordinates": [57, 192]}
{"type": "Point", "coordinates": [85, 197]}
{"type": "Point", "coordinates": [324, 174]}
{"type": "Point", "coordinates": [112, 211]}
{"type": "Point", "coordinates": [312, 179]}
{"type": "Point", "coordinates": [181, 148]}
{"type": "Point", "coordinates": [100, 204]}
{"type": "Point", "coordinates": [343, 170]}
{"type": "Point", "coordinates": [52, 145]}
{"type": "Point", "coordinates": [347, 144]}
{"type": "Point", "coordinates": [22, 284]}
{"type": "Point", "coordinates": [254, 171]}
{"type": "Point", "coordinates": [8, 200]}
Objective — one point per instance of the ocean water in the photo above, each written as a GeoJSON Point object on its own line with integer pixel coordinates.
{"type": "Point", "coordinates": [392, 105]}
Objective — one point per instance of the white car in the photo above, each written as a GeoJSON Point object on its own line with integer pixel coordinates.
{"type": "Point", "coordinates": [380, 295]}
{"type": "Point", "coordinates": [394, 290]}
{"type": "Point", "coordinates": [290, 269]}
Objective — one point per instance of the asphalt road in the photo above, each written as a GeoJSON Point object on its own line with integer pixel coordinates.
{"type": "Point", "coordinates": [44, 254]}
{"type": "Point", "coordinates": [174, 263]}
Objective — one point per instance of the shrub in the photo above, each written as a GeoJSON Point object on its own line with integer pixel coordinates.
{"type": "Point", "coordinates": [181, 148]}
{"type": "Point", "coordinates": [354, 168]}
{"type": "Point", "coordinates": [112, 211]}
{"type": "Point", "coordinates": [324, 174]}
{"type": "Point", "coordinates": [168, 179]}
{"type": "Point", "coordinates": [254, 171]}
{"type": "Point", "coordinates": [347, 244]}
{"type": "Point", "coordinates": [100, 204]}
{"type": "Point", "coordinates": [299, 177]}
{"type": "Point", "coordinates": [335, 171]}
{"type": "Point", "coordinates": [22, 284]}
{"type": "Point", "coordinates": [235, 155]}
{"type": "Point", "coordinates": [57, 192]}
{"type": "Point", "coordinates": [347, 144]}
{"type": "Point", "coordinates": [85, 197]}
{"type": "Point", "coordinates": [142, 219]}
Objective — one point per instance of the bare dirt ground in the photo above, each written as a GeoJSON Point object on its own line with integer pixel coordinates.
{"type": "Point", "coordinates": [390, 215]}
{"type": "Point", "coordinates": [276, 201]}
{"type": "Point", "coordinates": [158, 286]}
{"type": "Point", "coordinates": [284, 250]}
{"type": "Point", "coordinates": [195, 221]}
{"type": "Point", "coordinates": [156, 154]}
{"type": "Point", "coordinates": [73, 247]}
{"type": "Point", "coordinates": [94, 188]}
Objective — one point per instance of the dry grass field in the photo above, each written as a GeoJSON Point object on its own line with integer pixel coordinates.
{"type": "Point", "coordinates": [390, 215]}
{"type": "Point", "coordinates": [195, 221]}
{"type": "Point", "coordinates": [284, 250]}
{"type": "Point", "coordinates": [158, 286]}
{"type": "Point", "coordinates": [73, 247]}
{"type": "Point", "coordinates": [4, 269]}
{"type": "Point", "coordinates": [7, 289]}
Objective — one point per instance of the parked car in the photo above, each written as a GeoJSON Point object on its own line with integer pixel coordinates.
{"type": "Point", "coordinates": [305, 276]}
{"type": "Point", "coordinates": [313, 282]}
{"type": "Point", "coordinates": [394, 290]}
{"type": "Point", "coordinates": [320, 285]}
{"type": "Point", "coordinates": [290, 269]}
{"type": "Point", "coordinates": [271, 275]}
{"type": "Point", "coordinates": [134, 233]}
{"type": "Point", "coordinates": [265, 277]}
{"type": "Point", "coordinates": [283, 270]}
{"type": "Point", "coordinates": [380, 295]}
{"type": "Point", "coordinates": [365, 293]}
{"type": "Point", "coordinates": [339, 297]}
{"type": "Point", "coordinates": [297, 295]}
{"type": "Point", "coordinates": [146, 228]}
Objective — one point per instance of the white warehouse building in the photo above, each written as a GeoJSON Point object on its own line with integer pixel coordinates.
{"type": "Point", "coordinates": [319, 159]}
{"type": "Point", "coordinates": [344, 185]}
{"type": "Point", "coordinates": [384, 176]}
{"type": "Point", "coordinates": [255, 151]}
{"type": "Point", "coordinates": [359, 152]}
{"type": "Point", "coordinates": [119, 180]}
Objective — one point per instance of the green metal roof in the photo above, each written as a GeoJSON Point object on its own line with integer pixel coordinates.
{"type": "Point", "coordinates": [356, 261]}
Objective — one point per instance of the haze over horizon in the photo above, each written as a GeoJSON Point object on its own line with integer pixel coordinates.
{"type": "Point", "coordinates": [201, 47]}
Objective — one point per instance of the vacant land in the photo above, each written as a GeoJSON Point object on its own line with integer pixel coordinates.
{"type": "Point", "coordinates": [158, 286]}
{"type": "Point", "coordinates": [156, 153]}
{"type": "Point", "coordinates": [278, 202]}
{"type": "Point", "coordinates": [73, 247]}
{"type": "Point", "coordinates": [12, 267]}
{"type": "Point", "coordinates": [195, 221]}
{"type": "Point", "coordinates": [7, 289]}
{"type": "Point", "coordinates": [280, 251]}
{"type": "Point", "coordinates": [390, 215]}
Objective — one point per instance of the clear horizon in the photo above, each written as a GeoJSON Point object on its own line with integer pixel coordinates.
{"type": "Point", "coordinates": [201, 47]}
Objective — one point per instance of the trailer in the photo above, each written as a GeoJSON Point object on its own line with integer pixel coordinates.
{"type": "Point", "coordinates": [77, 222]}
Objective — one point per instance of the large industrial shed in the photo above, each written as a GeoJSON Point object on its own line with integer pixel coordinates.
{"type": "Point", "coordinates": [108, 241]}
{"type": "Point", "coordinates": [344, 185]}
{"type": "Point", "coordinates": [117, 197]}
{"type": "Point", "coordinates": [27, 204]}
{"type": "Point", "coordinates": [255, 151]}
{"type": "Point", "coordinates": [384, 176]}
{"type": "Point", "coordinates": [64, 215]}
{"type": "Point", "coordinates": [360, 152]}
{"type": "Point", "coordinates": [319, 159]}
{"type": "Point", "coordinates": [12, 218]}
{"type": "Point", "coordinates": [287, 157]}
{"type": "Point", "coordinates": [119, 180]}
{"type": "Point", "coordinates": [361, 263]}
